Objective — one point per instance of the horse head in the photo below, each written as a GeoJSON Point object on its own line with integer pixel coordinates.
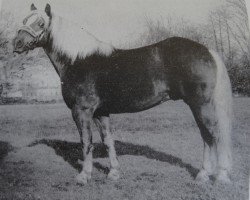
{"type": "Point", "coordinates": [34, 31]}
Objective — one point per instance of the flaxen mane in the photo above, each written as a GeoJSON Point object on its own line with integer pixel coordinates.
{"type": "Point", "coordinates": [75, 42]}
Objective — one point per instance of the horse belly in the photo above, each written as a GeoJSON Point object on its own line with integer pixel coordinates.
{"type": "Point", "coordinates": [138, 98]}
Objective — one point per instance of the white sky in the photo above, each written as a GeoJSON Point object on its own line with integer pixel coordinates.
{"type": "Point", "coordinates": [117, 21]}
{"type": "Point", "coordinates": [0, 5]}
{"type": "Point", "coordinates": [248, 12]}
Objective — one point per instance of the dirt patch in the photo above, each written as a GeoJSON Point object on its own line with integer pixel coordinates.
{"type": "Point", "coordinates": [5, 148]}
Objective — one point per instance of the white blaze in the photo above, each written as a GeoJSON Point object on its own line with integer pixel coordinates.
{"type": "Point", "coordinates": [31, 20]}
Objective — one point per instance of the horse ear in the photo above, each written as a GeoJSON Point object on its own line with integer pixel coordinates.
{"type": "Point", "coordinates": [48, 10]}
{"type": "Point", "coordinates": [33, 7]}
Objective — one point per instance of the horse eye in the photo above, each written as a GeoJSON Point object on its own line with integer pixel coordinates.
{"type": "Point", "coordinates": [42, 25]}
{"type": "Point", "coordinates": [25, 21]}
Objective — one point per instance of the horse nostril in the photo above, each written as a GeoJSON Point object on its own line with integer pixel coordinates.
{"type": "Point", "coordinates": [19, 44]}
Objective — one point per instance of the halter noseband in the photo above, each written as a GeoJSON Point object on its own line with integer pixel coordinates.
{"type": "Point", "coordinates": [37, 35]}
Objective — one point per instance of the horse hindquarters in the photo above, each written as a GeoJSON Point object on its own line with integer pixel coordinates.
{"type": "Point", "coordinates": [213, 115]}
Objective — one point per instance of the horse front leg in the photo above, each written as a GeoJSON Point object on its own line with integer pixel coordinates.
{"type": "Point", "coordinates": [82, 118]}
{"type": "Point", "coordinates": [103, 123]}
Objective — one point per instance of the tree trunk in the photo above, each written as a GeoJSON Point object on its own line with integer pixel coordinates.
{"type": "Point", "coordinates": [215, 36]}
{"type": "Point", "coordinates": [230, 58]}
{"type": "Point", "coordinates": [221, 39]}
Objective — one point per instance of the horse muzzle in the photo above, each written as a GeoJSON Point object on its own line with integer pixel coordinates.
{"type": "Point", "coordinates": [19, 47]}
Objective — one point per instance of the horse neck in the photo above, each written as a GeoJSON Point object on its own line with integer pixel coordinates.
{"type": "Point", "coordinates": [68, 42]}
{"type": "Point", "coordinates": [59, 66]}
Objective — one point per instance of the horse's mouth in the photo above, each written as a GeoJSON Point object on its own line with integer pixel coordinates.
{"type": "Point", "coordinates": [25, 52]}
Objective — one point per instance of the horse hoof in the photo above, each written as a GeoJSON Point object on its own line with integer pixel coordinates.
{"type": "Point", "coordinates": [114, 175]}
{"type": "Point", "coordinates": [83, 178]}
{"type": "Point", "coordinates": [202, 176]}
{"type": "Point", "coordinates": [223, 177]}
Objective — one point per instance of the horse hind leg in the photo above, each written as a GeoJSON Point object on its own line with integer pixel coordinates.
{"type": "Point", "coordinates": [217, 142]}
{"type": "Point", "coordinates": [212, 108]}
{"type": "Point", "coordinates": [209, 163]}
{"type": "Point", "coordinates": [103, 124]}
{"type": "Point", "coordinates": [207, 123]}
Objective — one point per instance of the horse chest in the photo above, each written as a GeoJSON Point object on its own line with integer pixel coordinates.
{"type": "Point", "coordinates": [81, 93]}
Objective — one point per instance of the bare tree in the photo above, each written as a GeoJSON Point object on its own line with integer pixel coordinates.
{"type": "Point", "coordinates": [155, 31]}
{"type": "Point", "coordinates": [239, 26]}
{"type": "Point", "coordinates": [11, 67]}
{"type": "Point", "coordinates": [221, 30]}
{"type": "Point", "coordinates": [212, 21]}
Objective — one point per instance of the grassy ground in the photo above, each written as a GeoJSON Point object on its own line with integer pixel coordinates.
{"type": "Point", "coordinates": [160, 152]}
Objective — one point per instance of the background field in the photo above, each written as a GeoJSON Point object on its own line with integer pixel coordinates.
{"type": "Point", "coordinates": [160, 152]}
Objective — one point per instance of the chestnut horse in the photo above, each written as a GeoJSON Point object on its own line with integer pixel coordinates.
{"type": "Point", "coordinates": [98, 80]}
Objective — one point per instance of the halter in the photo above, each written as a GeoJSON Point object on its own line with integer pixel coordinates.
{"type": "Point", "coordinates": [37, 35]}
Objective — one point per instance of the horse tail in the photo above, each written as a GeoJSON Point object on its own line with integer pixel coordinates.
{"type": "Point", "coordinates": [223, 101]}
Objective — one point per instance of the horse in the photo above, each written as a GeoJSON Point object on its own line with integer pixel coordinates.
{"type": "Point", "coordinates": [98, 80]}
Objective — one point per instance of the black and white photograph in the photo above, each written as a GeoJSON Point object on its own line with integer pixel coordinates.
{"type": "Point", "coordinates": [124, 100]}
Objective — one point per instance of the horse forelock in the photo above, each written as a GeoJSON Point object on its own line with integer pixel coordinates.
{"type": "Point", "coordinates": [72, 41]}
{"type": "Point", "coordinates": [35, 16]}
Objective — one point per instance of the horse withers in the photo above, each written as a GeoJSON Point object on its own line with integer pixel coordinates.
{"type": "Point", "coordinates": [99, 80]}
